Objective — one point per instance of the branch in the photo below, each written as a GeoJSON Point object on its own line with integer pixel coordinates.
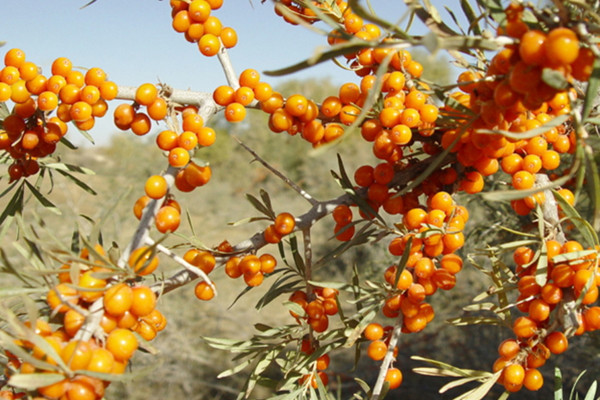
{"type": "Point", "coordinates": [284, 178]}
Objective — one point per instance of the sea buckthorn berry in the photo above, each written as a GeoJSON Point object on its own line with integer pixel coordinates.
{"type": "Point", "coordinates": [394, 377]}
{"type": "Point", "coordinates": [556, 342]}
{"type": "Point", "coordinates": [199, 10]}
{"type": "Point", "coordinates": [376, 350]}
{"type": "Point", "coordinates": [156, 187]}
{"type": "Point", "coordinates": [508, 349]}
{"type": "Point", "coordinates": [179, 157]}
{"type": "Point", "coordinates": [249, 78]}
{"type": "Point", "coordinates": [532, 49]}
{"type": "Point", "coordinates": [122, 343]}
{"type": "Point", "coordinates": [203, 291]}
{"type": "Point", "coordinates": [224, 95]}
{"type": "Point", "coordinates": [244, 95]}
{"type": "Point", "coordinates": [284, 224]}
{"type": "Point", "coordinates": [168, 219]}
{"type": "Point", "coordinates": [533, 379]}
{"type": "Point", "coordinates": [158, 109]}
{"type": "Point", "coordinates": [373, 331]}
{"type": "Point", "coordinates": [209, 45]}
{"type": "Point", "coordinates": [118, 299]}
{"type": "Point", "coordinates": [235, 112]}
{"type": "Point", "coordinates": [262, 91]}
{"type": "Point", "coordinates": [14, 58]}
{"type": "Point", "coordinates": [561, 46]}
{"type": "Point", "coordinates": [61, 66]}
{"type": "Point", "coordinates": [145, 94]}
{"type": "Point", "coordinates": [513, 376]}
{"type": "Point", "coordinates": [523, 180]}
{"type": "Point", "coordinates": [342, 214]}
{"type": "Point", "coordinates": [228, 37]}
{"type": "Point", "coordinates": [525, 327]}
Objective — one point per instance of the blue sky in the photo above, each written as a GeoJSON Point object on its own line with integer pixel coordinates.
{"type": "Point", "coordinates": [132, 40]}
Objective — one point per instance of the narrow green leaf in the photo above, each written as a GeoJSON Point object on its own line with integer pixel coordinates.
{"type": "Point", "coordinates": [591, 393]}
{"type": "Point", "coordinates": [471, 16]}
{"type": "Point", "coordinates": [259, 206]}
{"type": "Point", "coordinates": [593, 179]}
{"type": "Point", "coordinates": [78, 182]}
{"type": "Point", "coordinates": [591, 94]}
{"type": "Point", "coordinates": [480, 320]}
{"type": "Point", "coordinates": [15, 204]}
{"type": "Point", "coordinates": [554, 79]}
{"type": "Point", "coordinates": [581, 224]}
{"type": "Point", "coordinates": [34, 381]}
{"type": "Point", "coordinates": [41, 199]}
{"type": "Point", "coordinates": [558, 390]}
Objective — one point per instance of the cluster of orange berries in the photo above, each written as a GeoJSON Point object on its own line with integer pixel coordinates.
{"type": "Point", "coordinates": [126, 309]}
{"type": "Point", "coordinates": [512, 96]}
{"type": "Point", "coordinates": [318, 309]}
{"type": "Point", "coordinates": [251, 267]}
{"type": "Point", "coordinates": [435, 235]}
{"type": "Point", "coordinates": [29, 132]}
{"type": "Point", "coordinates": [193, 19]}
{"type": "Point", "coordinates": [283, 225]}
{"type": "Point", "coordinates": [570, 271]}
{"type": "Point", "coordinates": [235, 101]}
{"type": "Point", "coordinates": [379, 337]}
{"type": "Point", "coordinates": [189, 176]}
{"type": "Point", "coordinates": [128, 116]}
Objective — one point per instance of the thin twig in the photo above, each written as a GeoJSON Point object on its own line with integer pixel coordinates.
{"type": "Point", "coordinates": [284, 178]}
{"type": "Point", "coordinates": [227, 66]}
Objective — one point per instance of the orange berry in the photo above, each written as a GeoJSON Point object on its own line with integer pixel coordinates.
{"type": "Point", "coordinates": [168, 219]}
{"type": "Point", "coordinates": [373, 331]}
{"type": "Point", "coordinates": [394, 377]}
{"type": "Point", "coordinates": [145, 94]}
{"type": "Point", "coordinates": [156, 187]}
{"type": "Point", "coordinates": [376, 350]}
{"type": "Point", "coordinates": [556, 342]}
{"type": "Point", "coordinates": [122, 343]}
{"type": "Point", "coordinates": [203, 291]}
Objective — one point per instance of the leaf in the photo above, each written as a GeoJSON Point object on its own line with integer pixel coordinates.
{"type": "Point", "coordinates": [591, 393]}
{"type": "Point", "coordinates": [479, 320]}
{"type": "Point", "coordinates": [591, 92]}
{"type": "Point", "coordinates": [260, 207]}
{"type": "Point", "coordinates": [78, 182]}
{"type": "Point", "coordinates": [558, 392]}
{"type": "Point", "coordinates": [581, 224]}
{"type": "Point", "coordinates": [471, 16]}
{"type": "Point", "coordinates": [34, 381]}
{"type": "Point", "coordinates": [40, 198]}
{"type": "Point", "coordinates": [278, 288]}
{"type": "Point", "coordinates": [513, 194]}
{"type": "Point", "coordinates": [351, 46]}
{"type": "Point", "coordinates": [553, 123]}
{"type": "Point", "coordinates": [593, 178]}
{"type": "Point", "coordinates": [70, 168]}
{"type": "Point", "coordinates": [15, 204]}
{"type": "Point", "coordinates": [554, 79]}
{"type": "Point", "coordinates": [480, 392]}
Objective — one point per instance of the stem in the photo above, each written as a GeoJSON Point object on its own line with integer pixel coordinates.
{"type": "Point", "coordinates": [189, 267]}
{"type": "Point", "coordinates": [281, 176]}
{"type": "Point", "coordinates": [227, 66]}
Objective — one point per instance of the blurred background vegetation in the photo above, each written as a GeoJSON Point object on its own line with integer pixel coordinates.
{"type": "Point", "coordinates": [185, 366]}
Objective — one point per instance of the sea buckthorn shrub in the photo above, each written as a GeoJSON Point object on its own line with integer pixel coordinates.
{"type": "Point", "coordinates": [514, 130]}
